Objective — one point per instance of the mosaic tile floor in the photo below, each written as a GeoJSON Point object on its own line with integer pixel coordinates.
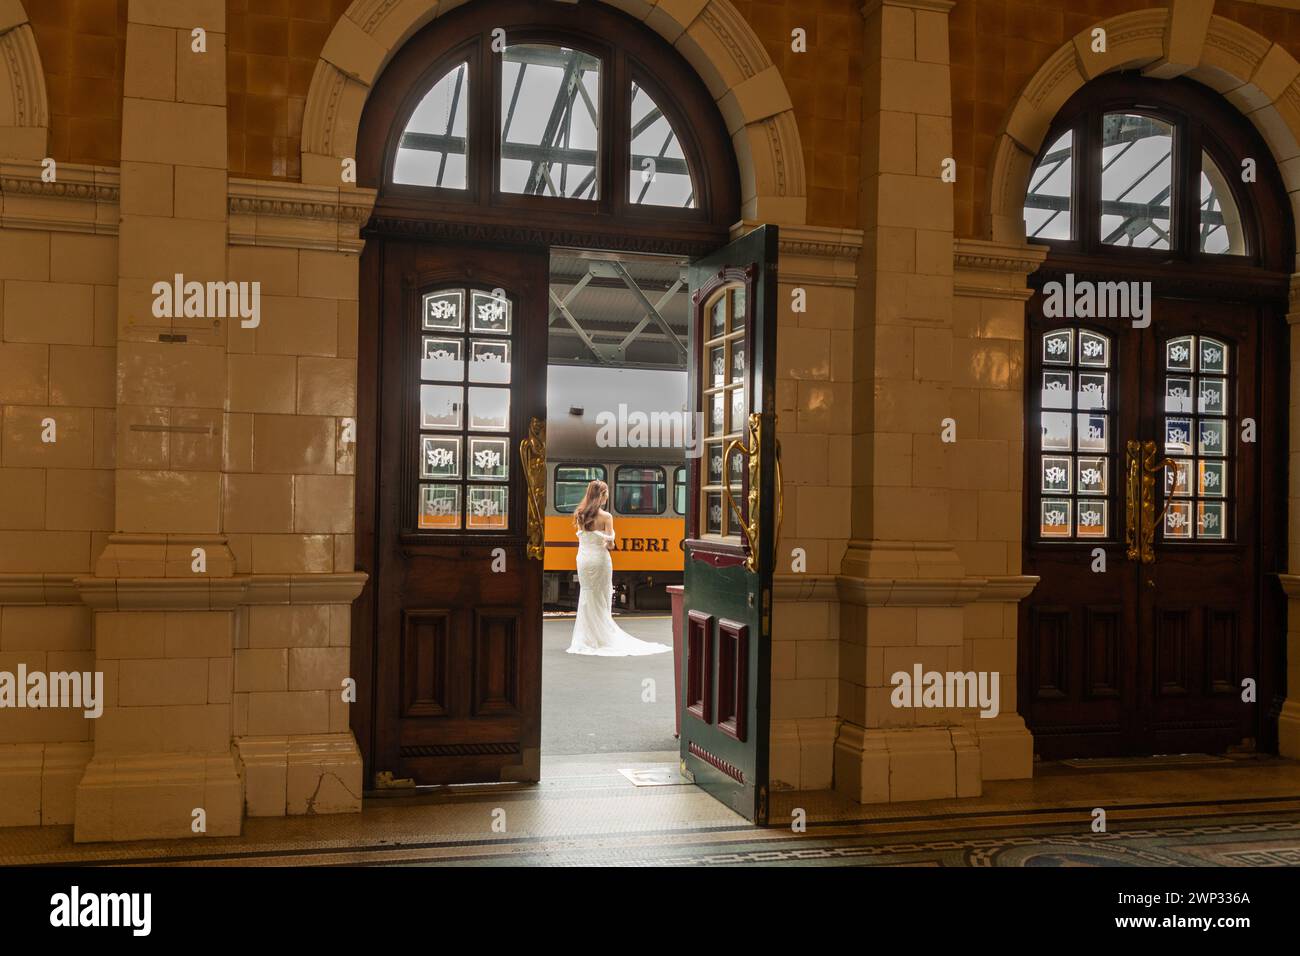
{"type": "Point", "coordinates": [585, 812]}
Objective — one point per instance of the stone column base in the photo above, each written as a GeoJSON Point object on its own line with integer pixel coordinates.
{"type": "Point", "coordinates": [802, 753]}
{"type": "Point", "coordinates": [152, 796]}
{"type": "Point", "coordinates": [930, 763]}
{"type": "Point", "coordinates": [301, 774]}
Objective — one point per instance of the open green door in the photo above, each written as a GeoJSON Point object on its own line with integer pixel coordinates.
{"type": "Point", "coordinates": [731, 523]}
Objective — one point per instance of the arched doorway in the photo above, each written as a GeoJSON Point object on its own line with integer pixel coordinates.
{"type": "Point", "coordinates": [498, 134]}
{"type": "Point", "coordinates": [1155, 494]}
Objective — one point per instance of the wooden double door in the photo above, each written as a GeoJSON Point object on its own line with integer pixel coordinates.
{"type": "Point", "coordinates": [1154, 488]}
{"type": "Point", "coordinates": [450, 515]}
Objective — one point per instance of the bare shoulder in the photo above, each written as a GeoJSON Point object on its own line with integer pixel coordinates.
{"type": "Point", "coordinates": [606, 519]}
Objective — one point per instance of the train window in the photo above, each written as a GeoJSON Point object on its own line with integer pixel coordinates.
{"type": "Point", "coordinates": [679, 489]}
{"type": "Point", "coordinates": [640, 490]}
{"type": "Point", "coordinates": [571, 484]}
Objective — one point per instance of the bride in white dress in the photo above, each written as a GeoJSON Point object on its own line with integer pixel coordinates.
{"type": "Point", "coordinates": [594, 630]}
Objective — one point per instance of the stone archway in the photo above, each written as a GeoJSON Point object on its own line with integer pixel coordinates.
{"type": "Point", "coordinates": [1257, 76]}
{"type": "Point", "coordinates": [24, 108]}
{"type": "Point", "coordinates": [710, 34]}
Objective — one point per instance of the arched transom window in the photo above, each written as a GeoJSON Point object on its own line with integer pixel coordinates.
{"type": "Point", "coordinates": [1139, 176]}
{"type": "Point", "coordinates": [560, 119]}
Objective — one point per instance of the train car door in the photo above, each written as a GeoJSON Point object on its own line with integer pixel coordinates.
{"type": "Point", "coordinates": [460, 357]}
{"type": "Point", "coordinates": [733, 512]}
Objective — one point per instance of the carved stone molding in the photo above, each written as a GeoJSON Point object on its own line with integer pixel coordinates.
{"type": "Point", "coordinates": [173, 593]}
{"type": "Point", "coordinates": [81, 199]}
{"type": "Point", "coordinates": [815, 255]}
{"type": "Point", "coordinates": [24, 105]}
{"type": "Point", "coordinates": [994, 270]}
{"type": "Point", "coordinates": [297, 216]}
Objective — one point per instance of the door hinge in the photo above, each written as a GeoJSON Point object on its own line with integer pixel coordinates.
{"type": "Point", "coordinates": [384, 780]}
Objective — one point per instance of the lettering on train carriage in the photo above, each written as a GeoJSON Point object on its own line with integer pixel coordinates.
{"type": "Point", "coordinates": [640, 544]}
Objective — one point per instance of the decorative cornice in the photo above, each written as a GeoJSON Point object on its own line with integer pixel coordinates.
{"type": "Point", "coordinates": [297, 216]}
{"type": "Point", "coordinates": [934, 592]}
{"type": "Point", "coordinates": [815, 255]}
{"type": "Point", "coordinates": [804, 587]}
{"type": "Point", "coordinates": [994, 270]}
{"type": "Point", "coordinates": [81, 199]}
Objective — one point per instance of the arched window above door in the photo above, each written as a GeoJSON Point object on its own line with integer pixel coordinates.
{"type": "Point", "coordinates": [553, 125]}
{"type": "Point", "coordinates": [1141, 167]}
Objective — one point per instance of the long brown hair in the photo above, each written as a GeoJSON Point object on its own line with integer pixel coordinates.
{"type": "Point", "coordinates": [584, 519]}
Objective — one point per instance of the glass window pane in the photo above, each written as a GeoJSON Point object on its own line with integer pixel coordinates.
{"type": "Point", "coordinates": [1178, 436]}
{"type": "Point", "coordinates": [1210, 519]}
{"type": "Point", "coordinates": [489, 409]}
{"type": "Point", "coordinates": [679, 491]}
{"type": "Point", "coordinates": [717, 366]}
{"type": "Point", "coordinates": [713, 513]}
{"type": "Point", "coordinates": [1057, 346]}
{"type": "Point", "coordinates": [1092, 519]}
{"type": "Point", "coordinates": [1055, 517]}
{"type": "Point", "coordinates": [1178, 520]}
{"type": "Point", "coordinates": [737, 361]}
{"type": "Point", "coordinates": [714, 455]}
{"type": "Point", "coordinates": [1093, 433]}
{"type": "Point", "coordinates": [1213, 438]}
{"type": "Point", "coordinates": [1178, 354]}
{"type": "Point", "coordinates": [489, 459]}
{"type": "Point", "coordinates": [1092, 476]}
{"type": "Point", "coordinates": [1214, 357]}
{"type": "Point", "coordinates": [1056, 475]}
{"type": "Point", "coordinates": [1178, 396]}
{"type": "Point", "coordinates": [1178, 480]}
{"type": "Point", "coordinates": [443, 311]}
{"type": "Point", "coordinates": [571, 484]}
{"type": "Point", "coordinates": [1047, 204]}
{"type": "Point", "coordinates": [550, 104]}
{"type": "Point", "coordinates": [640, 491]}
{"type": "Point", "coordinates": [1212, 400]}
{"type": "Point", "coordinates": [489, 362]}
{"type": "Point", "coordinates": [1213, 479]}
{"type": "Point", "coordinates": [439, 507]}
{"type": "Point", "coordinates": [441, 361]}
{"type": "Point", "coordinates": [490, 312]}
{"type": "Point", "coordinates": [486, 508]}
{"type": "Point", "coordinates": [1093, 390]}
{"type": "Point", "coordinates": [1094, 349]}
{"type": "Point", "coordinates": [439, 457]}
{"type": "Point", "coordinates": [432, 148]}
{"type": "Point", "coordinates": [440, 406]}
{"type": "Point", "coordinates": [1136, 180]}
{"type": "Point", "coordinates": [659, 175]}
{"type": "Point", "coordinates": [1056, 431]}
{"type": "Point", "coordinates": [1056, 389]}
{"type": "Point", "coordinates": [1220, 231]}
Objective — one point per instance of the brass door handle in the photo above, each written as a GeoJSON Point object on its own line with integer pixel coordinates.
{"type": "Point", "coordinates": [1152, 466]}
{"type": "Point", "coordinates": [1133, 501]}
{"type": "Point", "coordinates": [532, 456]}
{"type": "Point", "coordinates": [749, 528]}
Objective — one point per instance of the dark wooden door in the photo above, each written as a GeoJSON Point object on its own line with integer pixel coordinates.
{"type": "Point", "coordinates": [732, 517]}
{"type": "Point", "coordinates": [1143, 521]}
{"type": "Point", "coordinates": [461, 369]}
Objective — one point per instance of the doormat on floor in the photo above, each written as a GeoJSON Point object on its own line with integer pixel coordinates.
{"type": "Point", "coordinates": [662, 775]}
{"type": "Point", "coordinates": [1143, 763]}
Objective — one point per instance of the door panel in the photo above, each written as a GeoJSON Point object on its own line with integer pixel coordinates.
{"type": "Point", "coordinates": [1147, 656]}
{"type": "Point", "coordinates": [461, 368]}
{"type": "Point", "coordinates": [731, 523]}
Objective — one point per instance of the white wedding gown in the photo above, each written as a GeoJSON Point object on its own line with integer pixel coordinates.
{"type": "Point", "coordinates": [594, 630]}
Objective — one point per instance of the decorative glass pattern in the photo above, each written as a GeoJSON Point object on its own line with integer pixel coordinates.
{"type": "Point", "coordinates": [1074, 473]}
{"type": "Point", "coordinates": [465, 373]}
{"type": "Point", "coordinates": [725, 400]}
{"type": "Point", "coordinates": [1198, 433]}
